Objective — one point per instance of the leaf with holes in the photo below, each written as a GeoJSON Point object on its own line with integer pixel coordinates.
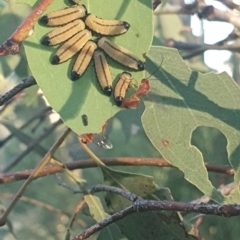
{"type": "Point", "coordinates": [179, 101]}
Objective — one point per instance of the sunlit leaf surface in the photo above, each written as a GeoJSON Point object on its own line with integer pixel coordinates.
{"type": "Point", "coordinates": [179, 101]}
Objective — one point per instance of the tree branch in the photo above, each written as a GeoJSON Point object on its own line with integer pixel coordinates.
{"type": "Point", "coordinates": [12, 45]}
{"type": "Point", "coordinates": [40, 204]}
{"type": "Point", "coordinates": [141, 205]}
{"type": "Point", "coordinates": [193, 49]}
{"type": "Point", "coordinates": [26, 83]}
{"type": "Point", "coordinates": [32, 146]}
{"type": "Point", "coordinates": [157, 162]}
{"type": "Point", "coordinates": [40, 114]}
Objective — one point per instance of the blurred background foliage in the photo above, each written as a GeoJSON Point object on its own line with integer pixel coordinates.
{"type": "Point", "coordinates": [31, 220]}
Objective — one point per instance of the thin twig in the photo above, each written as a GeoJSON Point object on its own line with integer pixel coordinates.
{"type": "Point", "coordinates": [63, 184]}
{"type": "Point", "coordinates": [103, 188]}
{"type": "Point", "coordinates": [4, 107]}
{"type": "Point", "coordinates": [154, 162]}
{"type": "Point", "coordinates": [204, 11]}
{"type": "Point", "coordinates": [90, 153]}
{"type": "Point", "coordinates": [27, 123]}
{"type": "Point", "coordinates": [230, 4]}
{"type": "Point", "coordinates": [73, 218]}
{"type": "Point", "coordinates": [141, 205]}
{"type": "Point", "coordinates": [193, 49]}
{"type": "Point", "coordinates": [31, 147]}
{"type": "Point", "coordinates": [26, 83]}
{"type": "Point", "coordinates": [42, 205]}
{"type": "Point", "coordinates": [200, 50]}
{"type": "Point", "coordinates": [33, 175]}
{"type": "Point", "coordinates": [12, 45]}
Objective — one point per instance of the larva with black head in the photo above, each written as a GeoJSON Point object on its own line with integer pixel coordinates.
{"type": "Point", "coordinates": [106, 27]}
{"type": "Point", "coordinates": [121, 87]}
{"type": "Point", "coordinates": [103, 72]}
{"type": "Point", "coordinates": [83, 60]}
{"type": "Point", "coordinates": [120, 54]}
{"type": "Point", "coordinates": [61, 34]}
{"type": "Point", "coordinates": [71, 47]}
{"type": "Point", "coordinates": [64, 16]}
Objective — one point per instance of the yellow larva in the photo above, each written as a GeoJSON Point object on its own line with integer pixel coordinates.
{"type": "Point", "coordinates": [106, 27]}
{"type": "Point", "coordinates": [71, 47]}
{"type": "Point", "coordinates": [61, 34]}
{"type": "Point", "coordinates": [103, 72]}
{"type": "Point", "coordinates": [120, 54]}
{"type": "Point", "coordinates": [121, 87]}
{"type": "Point", "coordinates": [83, 60]}
{"type": "Point", "coordinates": [64, 16]}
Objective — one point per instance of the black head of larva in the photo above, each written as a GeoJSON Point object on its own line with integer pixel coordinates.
{"type": "Point", "coordinates": [45, 41]}
{"type": "Point", "coordinates": [126, 25]}
{"type": "Point", "coordinates": [108, 90]}
{"type": "Point", "coordinates": [140, 66]}
{"type": "Point", "coordinates": [44, 20]}
{"type": "Point", "coordinates": [55, 60]}
{"type": "Point", "coordinates": [75, 76]}
{"type": "Point", "coordinates": [118, 101]}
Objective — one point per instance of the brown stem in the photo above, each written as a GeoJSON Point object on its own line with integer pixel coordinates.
{"type": "Point", "coordinates": [12, 45]}
{"type": "Point", "coordinates": [73, 218]}
{"type": "Point", "coordinates": [157, 162]}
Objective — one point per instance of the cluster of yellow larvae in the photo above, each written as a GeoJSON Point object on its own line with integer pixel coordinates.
{"type": "Point", "coordinates": [75, 27]}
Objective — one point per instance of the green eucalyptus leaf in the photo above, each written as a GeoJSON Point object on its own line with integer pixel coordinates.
{"type": "Point", "coordinates": [181, 100]}
{"type": "Point", "coordinates": [73, 99]}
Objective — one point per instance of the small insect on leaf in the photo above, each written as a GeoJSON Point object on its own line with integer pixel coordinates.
{"type": "Point", "coordinates": [71, 47]}
{"type": "Point", "coordinates": [120, 54]}
{"type": "Point", "coordinates": [134, 100]}
{"type": "Point", "coordinates": [121, 87]}
{"type": "Point", "coordinates": [83, 60]}
{"type": "Point", "coordinates": [103, 72]}
{"type": "Point", "coordinates": [106, 27]}
{"type": "Point", "coordinates": [85, 119]}
{"type": "Point", "coordinates": [143, 89]}
{"type": "Point", "coordinates": [64, 16]}
{"type": "Point", "coordinates": [61, 34]}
